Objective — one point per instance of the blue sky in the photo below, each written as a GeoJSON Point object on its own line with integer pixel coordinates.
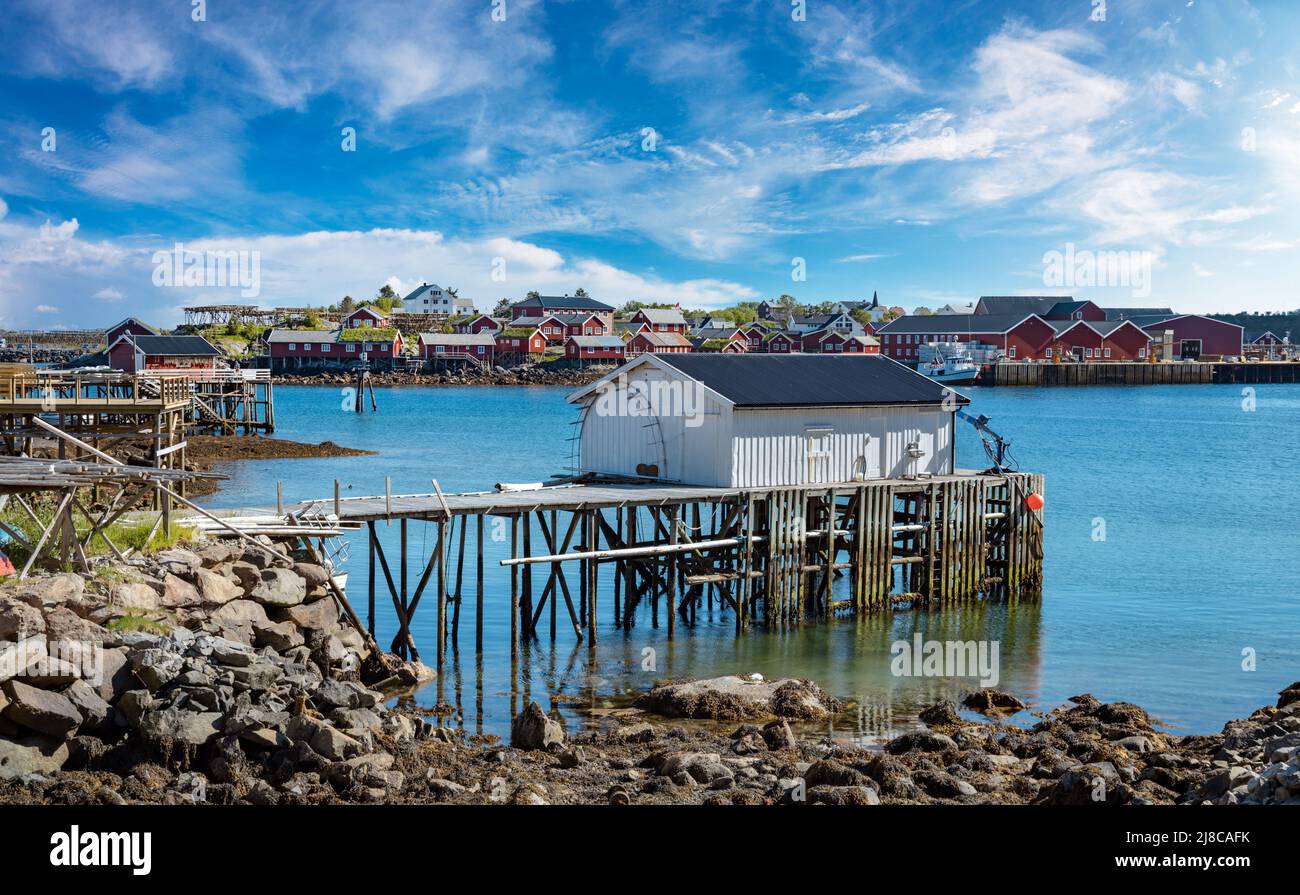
{"type": "Point", "coordinates": [932, 152]}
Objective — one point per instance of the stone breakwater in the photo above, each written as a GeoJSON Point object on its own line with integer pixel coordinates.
{"type": "Point", "coordinates": [219, 674]}
{"type": "Point", "coordinates": [216, 673]}
{"type": "Point", "coordinates": [527, 374]}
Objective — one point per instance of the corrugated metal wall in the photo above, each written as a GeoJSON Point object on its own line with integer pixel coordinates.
{"type": "Point", "coordinates": [772, 446]}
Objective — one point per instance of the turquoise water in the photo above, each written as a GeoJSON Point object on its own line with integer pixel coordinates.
{"type": "Point", "coordinates": [1198, 496]}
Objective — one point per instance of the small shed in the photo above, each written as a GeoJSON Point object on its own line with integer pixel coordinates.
{"type": "Point", "coordinates": [763, 420]}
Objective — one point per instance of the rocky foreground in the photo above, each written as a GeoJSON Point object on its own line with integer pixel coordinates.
{"type": "Point", "coordinates": [220, 674]}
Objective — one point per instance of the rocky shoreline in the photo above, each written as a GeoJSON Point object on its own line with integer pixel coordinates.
{"type": "Point", "coordinates": [220, 673]}
{"type": "Point", "coordinates": [526, 374]}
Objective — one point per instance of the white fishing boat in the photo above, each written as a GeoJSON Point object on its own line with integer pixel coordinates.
{"type": "Point", "coordinates": [954, 369]}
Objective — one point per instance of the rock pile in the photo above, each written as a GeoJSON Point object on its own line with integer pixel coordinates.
{"type": "Point", "coordinates": [223, 665]}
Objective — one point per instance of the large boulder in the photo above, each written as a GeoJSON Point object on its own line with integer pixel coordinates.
{"type": "Point", "coordinates": [321, 616]}
{"type": "Point", "coordinates": [280, 588]}
{"type": "Point", "coordinates": [134, 595]}
{"type": "Point", "coordinates": [314, 575]}
{"type": "Point", "coordinates": [322, 737]}
{"type": "Point", "coordinates": [215, 588]}
{"type": "Point", "coordinates": [19, 621]}
{"type": "Point", "coordinates": [156, 668]}
{"type": "Point", "coordinates": [179, 593]}
{"type": "Point", "coordinates": [178, 561]}
{"type": "Point", "coordinates": [733, 698]}
{"type": "Point", "coordinates": [279, 636]}
{"type": "Point", "coordinates": [167, 727]}
{"type": "Point", "coordinates": [532, 729]}
{"type": "Point", "coordinates": [51, 590]}
{"type": "Point", "coordinates": [64, 626]}
{"type": "Point", "coordinates": [31, 755]}
{"type": "Point", "coordinates": [94, 710]}
{"type": "Point", "coordinates": [116, 676]}
{"type": "Point", "coordinates": [240, 614]}
{"type": "Point", "coordinates": [43, 711]}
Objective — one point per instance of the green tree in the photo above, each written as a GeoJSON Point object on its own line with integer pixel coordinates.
{"type": "Point", "coordinates": [348, 304]}
{"type": "Point", "coordinates": [502, 308]}
{"type": "Point", "coordinates": [580, 293]}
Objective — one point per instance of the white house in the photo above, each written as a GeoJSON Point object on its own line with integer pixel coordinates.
{"type": "Point", "coordinates": [433, 299]}
{"type": "Point", "coordinates": [762, 420]}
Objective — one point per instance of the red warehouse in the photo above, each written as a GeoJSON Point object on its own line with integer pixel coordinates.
{"type": "Point", "coordinates": [1194, 337]}
{"type": "Point", "coordinates": [1015, 336]}
{"type": "Point", "coordinates": [479, 347]}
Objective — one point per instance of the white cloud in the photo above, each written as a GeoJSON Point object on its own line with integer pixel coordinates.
{"type": "Point", "coordinates": [320, 267]}
{"type": "Point", "coordinates": [45, 309]}
{"type": "Point", "coordinates": [120, 46]}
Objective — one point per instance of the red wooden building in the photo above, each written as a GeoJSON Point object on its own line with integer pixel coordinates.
{"type": "Point", "coordinates": [595, 348]}
{"type": "Point", "coordinates": [1016, 337]}
{"type": "Point", "coordinates": [476, 324]}
{"type": "Point", "coordinates": [133, 325]}
{"type": "Point", "coordinates": [661, 320]}
{"type": "Point", "coordinates": [367, 316]}
{"type": "Point", "coordinates": [134, 353]}
{"type": "Point", "coordinates": [1104, 340]}
{"type": "Point", "coordinates": [520, 342]}
{"type": "Point", "coordinates": [544, 305]}
{"type": "Point", "coordinates": [646, 342]}
{"type": "Point", "coordinates": [294, 349]}
{"type": "Point", "coordinates": [1194, 337]}
{"type": "Point", "coordinates": [479, 347]}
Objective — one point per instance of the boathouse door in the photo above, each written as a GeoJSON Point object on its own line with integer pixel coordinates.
{"type": "Point", "coordinates": [819, 454]}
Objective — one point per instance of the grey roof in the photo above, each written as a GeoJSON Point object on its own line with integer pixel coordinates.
{"type": "Point", "coordinates": [1066, 306]}
{"type": "Point", "coordinates": [953, 323]}
{"type": "Point", "coordinates": [663, 316]}
{"type": "Point", "coordinates": [1126, 313]}
{"type": "Point", "coordinates": [597, 341]}
{"type": "Point", "coordinates": [563, 301]}
{"type": "Point", "coordinates": [663, 340]}
{"type": "Point", "coordinates": [809, 380]}
{"type": "Point", "coordinates": [137, 320]}
{"type": "Point", "coordinates": [175, 346]}
{"type": "Point", "coordinates": [427, 287]}
{"type": "Point", "coordinates": [571, 319]}
{"type": "Point", "coordinates": [1020, 304]}
{"type": "Point", "coordinates": [717, 332]}
{"type": "Point", "coordinates": [313, 336]}
{"type": "Point", "coordinates": [1100, 327]}
{"type": "Point", "coordinates": [479, 338]}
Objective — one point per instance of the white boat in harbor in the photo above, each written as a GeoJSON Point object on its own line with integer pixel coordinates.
{"type": "Point", "coordinates": [956, 369]}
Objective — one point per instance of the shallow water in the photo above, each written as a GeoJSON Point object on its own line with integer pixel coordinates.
{"type": "Point", "coordinates": [1198, 496]}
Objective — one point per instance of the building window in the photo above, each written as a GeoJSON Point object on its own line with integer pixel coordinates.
{"type": "Point", "coordinates": [1108, 352]}
{"type": "Point", "coordinates": [325, 349]}
{"type": "Point", "coordinates": [1142, 352]}
{"type": "Point", "coordinates": [1011, 352]}
{"type": "Point", "coordinates": [352, 347]}
{"type": "Point", "coordinates": [293, 346]}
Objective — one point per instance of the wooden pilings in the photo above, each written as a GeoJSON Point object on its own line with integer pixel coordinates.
{"type": "Point", "coordinates": [775, 557]}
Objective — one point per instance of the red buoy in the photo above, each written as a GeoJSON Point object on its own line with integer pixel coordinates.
{"type": "Point", "coordinates": [1034, 501]}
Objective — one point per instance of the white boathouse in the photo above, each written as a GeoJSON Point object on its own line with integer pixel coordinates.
{"type": "Point", "coordinates": [762, 420]}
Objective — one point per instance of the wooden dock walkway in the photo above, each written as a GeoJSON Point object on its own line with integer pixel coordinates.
{"type": "Point", "coordinates": [1011, 373]}
{"type": "Point", "coordinates": [768, 556]}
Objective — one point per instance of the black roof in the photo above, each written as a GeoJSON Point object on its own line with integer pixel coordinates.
{"type": "Point", "coordinates": [1126, 313]}
{"type": "Point", "coordinates": [809, 380]}
{"type": "Point", "coordinates": [563, 301]}
{"type": "Point", "coordinates": [953, 323]}
{"type": "Point", "coordinates": [182, 346]}
{"type": "Point", "coordinates": [1021, 304]}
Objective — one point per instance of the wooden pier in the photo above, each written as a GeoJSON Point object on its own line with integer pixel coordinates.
{"type": "Point", "coordinates": [1124, 373]}
{"type": "Point", "coordinates": [768, 556]}
{"type": "Point", "coordinates": [231, 401]}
